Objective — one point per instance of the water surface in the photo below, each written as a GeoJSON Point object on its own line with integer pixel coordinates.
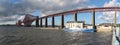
{"type": "Point", "coordinates": [11, 35]}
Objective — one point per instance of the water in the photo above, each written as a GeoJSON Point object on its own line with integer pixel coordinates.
{"type": "Point", "coordinates": [78, 30]}
{"type": "Point", "coordinates": [11, 35]}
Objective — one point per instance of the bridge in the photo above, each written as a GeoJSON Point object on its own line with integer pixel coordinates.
{"type": "Point", "coordinates": [39, 20]}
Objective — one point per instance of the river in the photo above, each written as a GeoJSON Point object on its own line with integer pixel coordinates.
{"type": "Point", "coordinates": [12, 35]}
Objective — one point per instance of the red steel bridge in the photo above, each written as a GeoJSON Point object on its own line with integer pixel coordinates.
{"type": "Point", "coordinates": [27, 21]}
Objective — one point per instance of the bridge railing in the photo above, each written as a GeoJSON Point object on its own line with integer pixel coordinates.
{"type": "Point", "coordinates": [116, 36]}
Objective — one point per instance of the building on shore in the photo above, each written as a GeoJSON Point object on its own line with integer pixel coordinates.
{"type": "Point", "coordinates": [105, 27]}
{"type": "Point", "coordinates": [88, 26]}
{"type": "Point", "coordinates": [71, 24]}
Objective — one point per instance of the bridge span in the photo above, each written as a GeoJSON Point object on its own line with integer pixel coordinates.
{"type": "Point", "coordinates": [39, 21]}
{"type": "Point", "coordinates": [84, 10]}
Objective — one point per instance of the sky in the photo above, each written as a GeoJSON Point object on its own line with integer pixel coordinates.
{"type": "Point", "coordinates": [13, 10]}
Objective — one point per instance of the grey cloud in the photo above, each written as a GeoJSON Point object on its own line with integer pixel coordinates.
{"type": "Point", "coordinates": [8, 8]}
{"type": "Point", "coordinates": [9, 18]}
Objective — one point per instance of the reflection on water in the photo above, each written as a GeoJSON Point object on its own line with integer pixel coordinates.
{"type": "Point", "coordinates": [35, 36]}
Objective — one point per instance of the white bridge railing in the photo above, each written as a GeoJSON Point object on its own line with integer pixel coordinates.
{"type": "Point", "coordinates": [115, 38]}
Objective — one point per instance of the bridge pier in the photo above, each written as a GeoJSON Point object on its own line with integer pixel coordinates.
{"type": "Point", "coordinates": [62, 22]}
{"type": "Point", "coordinates": [75, 17]}
{"type": "Point", "coordinates": [46, 22]}
{"type": "Point", "coordinates": [53, 23]}
{"type": "Point", "coordinates": [115, 19]}
{"type": "Point", "coordinates": [93, 20]}
{"type": "Point", "coordinates": [37, 21]}
{"type": "Point", "coordinates": [40, 22]}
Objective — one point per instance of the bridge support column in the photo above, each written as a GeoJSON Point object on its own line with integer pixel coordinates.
{"type": "Point", "coordinates": [62, 22]}
{"type": "Point", "coordinates": [93, 20]}
{"type": "Point", "coordinates": [115, 19]}
{"type": "Point", "coordinates": [46, 22]}
{"type": "Point", "coordinates": [37, 21]}
{"type": "Point", "coordinates": [40, 22]}
{"type": "Point", "coordinates": [75, 17]}
{"type": "Point", "coordinates": [53, 24]}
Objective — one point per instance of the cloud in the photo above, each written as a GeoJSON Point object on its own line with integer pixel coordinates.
{"type": "Point", "coordinates": [109, 16]}
{"type": "Point", "coordinates": [112, 3]}
{"type": "Point", "coordinates": [8, 18]}
{"type": "Point", "coordinates": [55, 6]}
{"type": "Point", "coordinates": [11, 8]}
{"type": "Point", "coordinates": [21, 18]}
